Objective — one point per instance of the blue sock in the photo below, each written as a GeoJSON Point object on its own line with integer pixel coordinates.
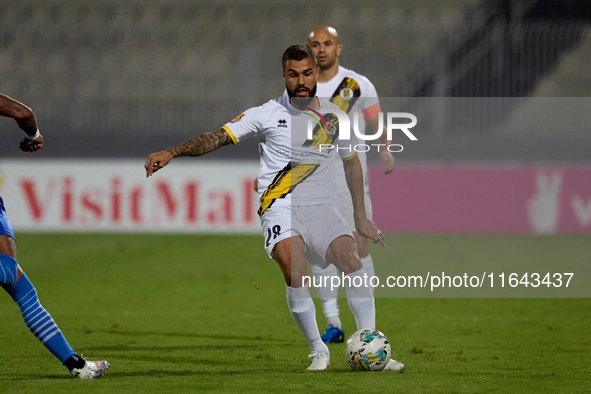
{"type": "Point", "coordinates": [37, 319]}
{"type": "Point", "coordinates": [8, 269]}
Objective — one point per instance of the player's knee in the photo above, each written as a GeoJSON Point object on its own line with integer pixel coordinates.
{"type": "Point", "coordinates": [350, 263]}
{"type": "Point", "coordinates": [284, 263]}
{"type": "Point", "coordinates": [23, 289]}
{"type": "Point", "coordinates": [286, 274]}
{"type": "Point", "coordinates": [299, 274]}
{"type": "Point", "coordinates": [293, 274]}
{"type": "Point", "coordinates": [8, 270]}
{"type": "Point", "coordinates": [343, 254]}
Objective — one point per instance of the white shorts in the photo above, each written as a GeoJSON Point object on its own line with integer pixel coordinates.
{"type": "Point", "coordinates": [318, 225]}
{"type": "Point", "coordinates": [345, 206]}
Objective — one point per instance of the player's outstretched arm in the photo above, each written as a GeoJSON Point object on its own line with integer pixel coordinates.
{"type": "Point", "coordinates": [25, 118]}
{"type": "Point", "coordinates": [196, 146]}
{"type": "Point", "coordinates": [354, 177]}
{"type": "Point", "coordinates": [385, 155]}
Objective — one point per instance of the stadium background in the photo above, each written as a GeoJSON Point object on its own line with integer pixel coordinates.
{"type": "Point", "coordinates": [119, 79]}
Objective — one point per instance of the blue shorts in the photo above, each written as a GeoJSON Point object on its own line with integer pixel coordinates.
{"type": "Point", "coordinates": [5, 228]}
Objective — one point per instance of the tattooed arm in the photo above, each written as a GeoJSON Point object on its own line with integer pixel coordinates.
{"type": "Point", "coordinates": [196, 146]}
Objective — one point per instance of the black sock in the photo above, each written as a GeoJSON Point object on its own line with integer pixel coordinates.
{"type": "Point", "coordinates": [74, 362]}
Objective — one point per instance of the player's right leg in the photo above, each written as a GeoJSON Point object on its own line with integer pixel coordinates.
{"type": "Point", "coordinates": [37, 319]}
{"type": "Point", "coordinates": [286, 247]}
{"type": "Point", "coordinates": [289, 254]}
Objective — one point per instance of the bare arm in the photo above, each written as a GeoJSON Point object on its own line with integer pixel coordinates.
{"type": "Point", "coordinates": [386, 156]}
{"type": "Point", "coordinates": [196, 146]}
{"type": "Point", "coordinates": [354, 177]}
{"type": "Point", "coordinates": [25, 118]}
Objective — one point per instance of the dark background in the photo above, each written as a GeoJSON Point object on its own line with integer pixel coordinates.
{"type": "Point", "coordinates": [123, 79]}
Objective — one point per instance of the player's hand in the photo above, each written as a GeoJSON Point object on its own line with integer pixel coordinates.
{"type": "Point", "coordinates": [368, 229]}
{"type": "Point", "coordinates": [157, 161]}
{"type": "Point", "coordinates": [388, 160]}
{"type": "Point", "coordinates": [255, 185]}
{"type": "Point", "coordinates": [27, 145]}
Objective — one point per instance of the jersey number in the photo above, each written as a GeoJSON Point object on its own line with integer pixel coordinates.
{"type": "Point", "coordinates": [276, 232]}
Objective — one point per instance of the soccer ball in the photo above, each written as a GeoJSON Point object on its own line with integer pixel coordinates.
{"type": "Point", "coordinates": [367, 350]}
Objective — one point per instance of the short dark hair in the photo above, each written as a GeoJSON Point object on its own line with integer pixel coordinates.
{"type": "Point", "coordinates": [298, 52]}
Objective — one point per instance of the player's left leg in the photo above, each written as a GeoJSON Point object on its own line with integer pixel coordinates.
{"type": "Point", "coordinates": [328, 296]}
{"type": "Point", "coordinates": [330, 240]}
{"type": "Point", "coordinates": [343, 253]}
{"type": "Point", "coordinates": [367, 262]}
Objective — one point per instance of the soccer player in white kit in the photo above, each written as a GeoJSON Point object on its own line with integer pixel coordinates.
{"type": "Point", "coordinates": [296, 187]}
{"type": "Point", "coordinates": [352, 92]}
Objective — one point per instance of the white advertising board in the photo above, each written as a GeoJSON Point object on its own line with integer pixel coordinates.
{"type": "Point", "coordinates": [189, 195]}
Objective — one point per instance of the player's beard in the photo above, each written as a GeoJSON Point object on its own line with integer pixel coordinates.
{"type": "Point", "coordinates": [301, 101]}
{"type": "Point", "coordinates": [328, 64]}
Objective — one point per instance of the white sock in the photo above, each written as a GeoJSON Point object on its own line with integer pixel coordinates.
{"type": "Point", "coordinates": [361, 299]}
{"type": "Point", "coordinates": [328, 298]}
{"type": "Point", "coordinates": [367, 263]}
{"type": "Point", "coordinates": [303, 312]}
{"type": "Point", "coordinates": [335, 320]}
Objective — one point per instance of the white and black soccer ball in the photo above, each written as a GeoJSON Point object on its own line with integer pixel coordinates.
{"type": "Point", "coordinates": [368, 350]}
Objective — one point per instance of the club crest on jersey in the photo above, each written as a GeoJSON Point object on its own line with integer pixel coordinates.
{"type": "Point", "coordinates": [346, 93]}
{"type": "Point", "coordinates": [237, 119]}
{"type": "Point", "coordinates": [331, 128]}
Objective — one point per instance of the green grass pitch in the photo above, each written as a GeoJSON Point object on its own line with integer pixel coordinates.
{"type": "Point", "coordinates": [184, 313]}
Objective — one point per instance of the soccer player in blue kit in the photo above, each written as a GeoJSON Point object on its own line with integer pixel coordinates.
{"type": "Point", "coordinates": [16, 282]}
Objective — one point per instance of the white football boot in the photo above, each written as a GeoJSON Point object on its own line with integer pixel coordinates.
{"type": "Point", "coordinates": [319, 362]}
{"type": "Point", "coordinates": [91, 370]}
{"type": "Point", "coordinates": [394, 365]}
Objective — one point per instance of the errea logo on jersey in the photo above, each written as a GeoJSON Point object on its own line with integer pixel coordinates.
{"type": "Point", "coordinates": [345, 130]}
